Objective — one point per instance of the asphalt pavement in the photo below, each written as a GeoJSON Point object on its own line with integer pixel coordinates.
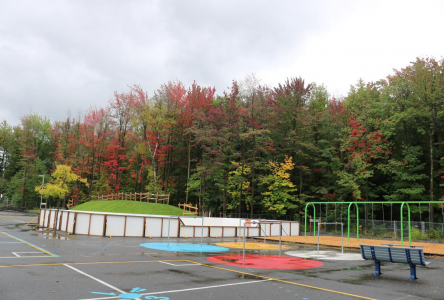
{"type": "Point", "coordinates": [48, 265]}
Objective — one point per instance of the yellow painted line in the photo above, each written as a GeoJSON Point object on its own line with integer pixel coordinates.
{"type": "Point", "coordinates": [29, 244]}
{"type": "Point", "coordinates": [193, 262]}
{"type": "Point", "coordinates": [93, 263]}
{"type": "Point", "coordinates": [252, 246]}
{"type": "Point", "coordinates": [284, 281]}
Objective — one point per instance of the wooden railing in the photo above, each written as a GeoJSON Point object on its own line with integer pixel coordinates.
{"type": "Point", "coordinates": [144, 197]}
{"type": "Point", "coordinates": [189, 209]}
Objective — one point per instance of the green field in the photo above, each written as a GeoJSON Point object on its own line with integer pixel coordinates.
{"type": "Point", "coordinates": [130, 207]}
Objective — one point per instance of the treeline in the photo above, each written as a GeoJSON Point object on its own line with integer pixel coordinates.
{"type": "Point", "coordinates": [254, 149]}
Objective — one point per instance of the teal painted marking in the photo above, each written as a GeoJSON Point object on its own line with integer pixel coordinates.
{"type": "Point", "coordinates": [133, 294]}
{"type": "Point", "coordinates": [106, 294]}
{"type": "Point", "coordinates": [41, 249]}
{"type": "Point", "coordinates": [130, 296]}
{"type": "Point", "coordinates": [184, 247]}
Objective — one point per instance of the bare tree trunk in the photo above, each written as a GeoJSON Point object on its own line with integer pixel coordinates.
{"type": "Point", "coordinates": [200, 197]}
{"type": "Point", "coordinates": [24, 188]}
{"type": "Point", "coordinates": [240, 191]}
{"type": "Point", "coordinates": [188, 174]}
{"type": "Point", "coordinates": [431, 174]}
{"type": "Point", "coordinates": [366, 199]}
{"type": "Point", "coordinates": [252, 177]}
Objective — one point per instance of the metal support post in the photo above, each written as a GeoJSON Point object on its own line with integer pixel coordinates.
{"type": "Point", "coordinates": [201, 233]}
{"type": "Point", "coordinates": [342, 234]}
{"type": "Point", "coordinates": [243, 252]}
{"type": "Point", "coordinates": [169, 221]}
{"type": "Point", "coordinates": [319, 229]}
{"type": "Point", "coordinates": [280, 240]}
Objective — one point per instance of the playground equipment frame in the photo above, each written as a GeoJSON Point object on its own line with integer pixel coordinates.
{"type": "Point", "coordinates": [332, 223]}
{"type": "Point", "coordinates": [402, 203]}
{"type": "Point", "coordinates": [263, 222]}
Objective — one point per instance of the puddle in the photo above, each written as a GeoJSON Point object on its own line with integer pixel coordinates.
{"type": "Point", "coordinates": [360, 279]}
{"type": "Point", "coordinates": [55, 236]}
{"type": "Point", "coordinates": [246, 276]}
{"type": "Point", "coordinates": [353, 281]}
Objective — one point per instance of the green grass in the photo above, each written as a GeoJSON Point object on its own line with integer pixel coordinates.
{"type": "Point", "coordinates": [130, 207]}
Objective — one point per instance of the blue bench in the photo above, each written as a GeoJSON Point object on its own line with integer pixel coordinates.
{"type": "Point", "coordinates": [395, 254]}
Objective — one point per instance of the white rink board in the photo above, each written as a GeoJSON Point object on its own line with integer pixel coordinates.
{"type": "Point", "coordinates": [135, 225]}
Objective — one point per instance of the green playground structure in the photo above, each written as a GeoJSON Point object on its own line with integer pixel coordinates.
{"type": "Point", "coordinates": [356, 203]}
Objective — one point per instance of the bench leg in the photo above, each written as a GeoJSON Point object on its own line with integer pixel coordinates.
{"type": "Point", "coordinates": [413, 272]}
{"type": "Point", "coordinates": [377, 267]}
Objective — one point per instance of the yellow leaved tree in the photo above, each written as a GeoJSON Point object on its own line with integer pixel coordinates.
{"type": "Point", "coordinates": [58, 187]}
{"type": "Point", "coordinates": [278, 198]}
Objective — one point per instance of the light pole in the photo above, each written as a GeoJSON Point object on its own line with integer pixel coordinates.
{"type": "Point", "coordinates": [3, 170]}
{"type": "Point", "coordinates": [41, 195]}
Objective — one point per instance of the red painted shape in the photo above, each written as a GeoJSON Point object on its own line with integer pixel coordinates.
{"type": "Point", "coordinates": [271, 262]}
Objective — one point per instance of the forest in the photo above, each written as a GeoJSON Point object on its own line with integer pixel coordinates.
{"type": "Point", "coordinates": [250, 150]}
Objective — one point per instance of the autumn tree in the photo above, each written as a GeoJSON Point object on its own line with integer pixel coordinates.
{"type": "Point", "coordinates": [279, 198]}
{"type": "Point", "coordinates": [59, 186]}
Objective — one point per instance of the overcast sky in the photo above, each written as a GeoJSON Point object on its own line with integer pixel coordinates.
{"type": "Point", "coordinates": [60, 56]}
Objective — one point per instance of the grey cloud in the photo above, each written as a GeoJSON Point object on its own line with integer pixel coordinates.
{"type": "Point", "coordinates": [59, 56]}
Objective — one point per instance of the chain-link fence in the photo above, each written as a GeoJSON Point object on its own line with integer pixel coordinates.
{"type": "Point", "coordinates": [381, 229]}
{"type": "Point", "coordinates": [6, 204]}
{"type": "Point", "coordinates": [258, 216]}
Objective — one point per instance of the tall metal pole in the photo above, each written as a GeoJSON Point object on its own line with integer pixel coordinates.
{"type": "Point", "coordinates": [280, 239]}
{"type": "Point", "coordinates": [169, 221]}
{"type": "Point", "coordinates": [201, 233]}
{"type": "Point", "coordinates": [41, 195]}
{"type": "Point", "coordinates": [319, 229]}
{"type": "Point", "coordinates": [243, 252]}
{"type": "Point", "coordinates": [265, 236]}
{"type": "Point", "coordinates": [342, 234]}
{"type": "Point", "coordinates": [3, 170]}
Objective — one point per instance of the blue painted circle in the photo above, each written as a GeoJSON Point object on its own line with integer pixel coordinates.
{"type": "Point", "coordinates": [183, 247]}
{"type": "Point", "coordinates": [130, 296]}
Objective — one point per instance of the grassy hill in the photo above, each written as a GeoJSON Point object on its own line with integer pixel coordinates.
{"type": "Point", "coordinates": [130, 207]}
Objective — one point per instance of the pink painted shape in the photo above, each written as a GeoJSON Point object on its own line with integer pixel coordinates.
{"type": "Point", "coordinates": [271, 262]}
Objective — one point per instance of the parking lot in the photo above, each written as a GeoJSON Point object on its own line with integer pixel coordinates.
{"type": "Point", "coordinates": [47, 265]}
